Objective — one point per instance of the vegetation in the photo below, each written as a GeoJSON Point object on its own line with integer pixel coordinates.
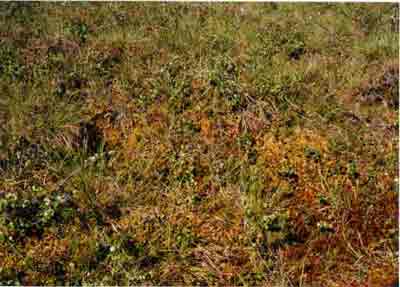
{"type": "Point", "coordinates": [199, 144]}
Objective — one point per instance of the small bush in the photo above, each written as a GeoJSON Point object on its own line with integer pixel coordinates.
{"type": "Point", "coordinates": [27, 214]}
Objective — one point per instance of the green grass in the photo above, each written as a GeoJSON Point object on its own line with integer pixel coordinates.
{"type": "Point", "coordinates": [199, 144]}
